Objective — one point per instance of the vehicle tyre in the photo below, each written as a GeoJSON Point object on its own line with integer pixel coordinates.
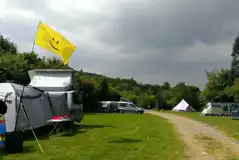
{"type": "Point", "coordinates": [121, 111]}
{"type": "Point", "coordinates": [138, 112]}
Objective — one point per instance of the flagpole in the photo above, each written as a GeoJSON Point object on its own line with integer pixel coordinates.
{"type": "Point", "coordinates": [33, 46]}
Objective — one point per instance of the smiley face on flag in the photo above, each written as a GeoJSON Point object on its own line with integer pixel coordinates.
{"type": "Point", "coordinates": [53, 41]}
{"type": "Point", "coordinates": [54, 44]}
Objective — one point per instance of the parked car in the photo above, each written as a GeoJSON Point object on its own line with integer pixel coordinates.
{"type": "Point", "coordinates": [120, 106]}
{"type": "Point", "coordinates": [129, 107]}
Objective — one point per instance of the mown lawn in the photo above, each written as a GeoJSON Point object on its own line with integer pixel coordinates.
{"type": "Point", "coordinates": [110, 137]}
{"type": "Point", "coordinates": [225, 124]}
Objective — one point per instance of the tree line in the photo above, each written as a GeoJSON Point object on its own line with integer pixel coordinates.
{"type": "Point", "coordinates": [222, 85]}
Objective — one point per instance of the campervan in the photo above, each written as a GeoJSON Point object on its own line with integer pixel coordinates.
{"type": "Point", "coordinates": [62, 88]}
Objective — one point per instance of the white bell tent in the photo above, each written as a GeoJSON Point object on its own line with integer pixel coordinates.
{"type": "Point", "coordinates": [183, 106]}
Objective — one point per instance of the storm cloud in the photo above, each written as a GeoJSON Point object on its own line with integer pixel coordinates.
{"type": "Point", "coordinates": [153, 41]}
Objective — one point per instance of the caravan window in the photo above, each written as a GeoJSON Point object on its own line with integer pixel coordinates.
{"type": "Point", "coordinates": [216, 105]}
{"type": "Point", "coordinates": [104, 105]}
{"type": "Point", "coordinates": [233, 106]}
{"type": "Point", "coordinates": [225, 107]}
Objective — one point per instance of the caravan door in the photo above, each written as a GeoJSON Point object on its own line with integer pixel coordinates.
{"type": "Point", "coordinates": [216, 108]}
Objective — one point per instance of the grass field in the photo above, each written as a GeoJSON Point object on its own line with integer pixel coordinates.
{"type": "Point", "coordinates": [225, 124]}
{"type": "Point", "coordinates": [110, 137]}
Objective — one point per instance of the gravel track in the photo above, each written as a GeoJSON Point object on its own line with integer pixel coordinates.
{"type": "Point", "coordinates": [202, 141]}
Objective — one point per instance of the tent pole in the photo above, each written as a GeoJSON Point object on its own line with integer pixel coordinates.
{"type": "Point", "coordinates": [32, 130]}
{"type": "Point", "coordinates": [29, 124]}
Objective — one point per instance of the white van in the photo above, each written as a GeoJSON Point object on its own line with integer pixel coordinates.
{"type": "Point", "coordinates": [121, 107]}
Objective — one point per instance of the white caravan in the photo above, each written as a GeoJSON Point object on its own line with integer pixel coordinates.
{"type": "Point", "coordinates": [183, 106]}
{"type": "Point", "coordinates": [63, 90]}
{"type": "Point", "coordinates": [35, 103]}
{"type": "Point", "coordinates": [219, 108]}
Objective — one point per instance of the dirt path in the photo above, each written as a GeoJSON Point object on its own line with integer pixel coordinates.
{"type": "Point", "coordinates": [202, 142]}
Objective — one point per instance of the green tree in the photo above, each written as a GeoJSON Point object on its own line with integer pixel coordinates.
{"type": "Point", "coordinates": [235, 57]}
{"type": "Point", "coordinates": [104, 90]}
{"type": "Point", "coordinates": [6, 46]}
{"type": "Point", "coordinates": [182, 91]}
{"type": "Point", "coordinates": [14, 68]}
{"type": "Point", "coordinates": [233, 91]}
{"type": "Point", "coordinates": [146, 100]}
{"type": "Point", "coordinates": [130, 95]}
{"type": "Point", "coordinates": [90, 95]}
{"type": "Point", "coordinates": [217, 81]}
{"type": "Point", "coordinates": [166, 85]}
{"type": "Point", "coordinates": [137, 91]}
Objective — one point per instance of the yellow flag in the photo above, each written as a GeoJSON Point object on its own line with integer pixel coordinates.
{"type": "Point", "coordinates": [53, 41]}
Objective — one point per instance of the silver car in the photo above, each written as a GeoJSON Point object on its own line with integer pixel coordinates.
{"type": "Point", "coordinates": [129, 107]}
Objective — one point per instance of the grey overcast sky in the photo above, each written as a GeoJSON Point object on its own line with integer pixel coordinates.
{"type": "Point", "coordinates": [151, 40]}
